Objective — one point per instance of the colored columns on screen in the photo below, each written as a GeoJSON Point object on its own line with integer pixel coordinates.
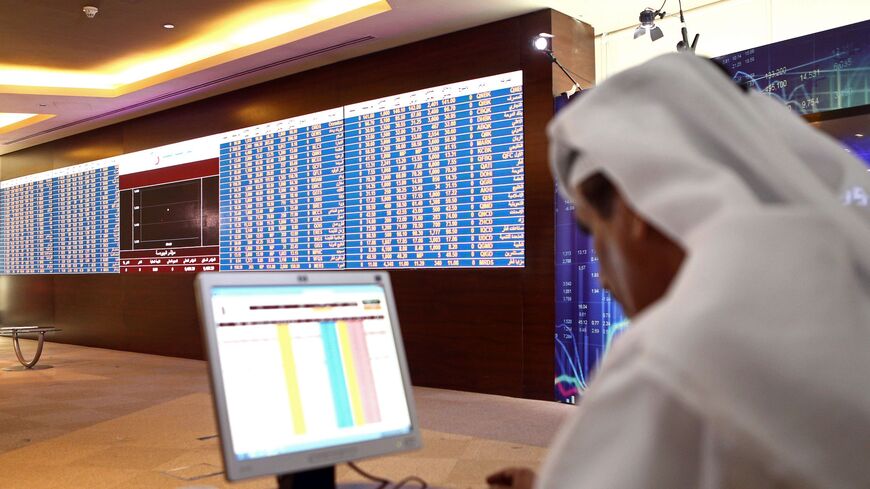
{"type": "Point", "coordinates": [365, 379]}
{"type": "Point", "coordinates": [344, 417]}
{"type": "Point", "coordinates": [350, 372]}
{"type": "Point", "coordinates": [285, 340]}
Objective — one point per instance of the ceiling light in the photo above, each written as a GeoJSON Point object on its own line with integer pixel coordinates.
{"type": "Point", "coordinates": [858, 134]}
{"type": "Point", "coordinates": [541, 42]}
{"type": "Point", "coordinates": [90, 11]}
{"type": "Point", "coordinates": [169, 26]}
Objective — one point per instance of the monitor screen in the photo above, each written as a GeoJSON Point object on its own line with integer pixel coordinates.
{"type": "Point", "coordinates": [305, 367]}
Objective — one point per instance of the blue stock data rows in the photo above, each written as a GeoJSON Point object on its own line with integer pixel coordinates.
{"type": "Point", "coordinates": [437, 184]}
{"type": "Point", "coordinates": [413, 181]}
{"type": "Point", "coordinates": [281, 200]}
{"type": "Point", "coordinates": [64, 221]}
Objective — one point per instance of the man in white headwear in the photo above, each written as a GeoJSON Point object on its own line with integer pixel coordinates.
{"type": "Point", "coordinates": [718, 224]}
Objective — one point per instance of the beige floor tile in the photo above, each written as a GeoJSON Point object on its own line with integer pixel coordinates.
{"type": "Point", "coordinates": [501, 451]}
{"type": "Point", "coordinates": [443, 445]}
{"type": "Point", "coordinates": [12, 425]}
{"type": "Point", "coordinates": [61, 454]}
{"type": "Point", "coordinates": [52, 375]}
{"type": "Point", "coordinates": [32, 477]}
{"type": "Point", "coordinates": [74, 418]}
{"type": "Point", "coordinates": [130, 457]}
{"type": "Point", "coordinates": [207, 455]}
{"type": "Point", "coordinates": [45, 406]}
{"type": "Point", "coordinates": [28, 437]}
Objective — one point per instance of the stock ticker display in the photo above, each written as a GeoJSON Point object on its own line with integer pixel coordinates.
{"type": "Point", "coordinates": [427, 179]}
{"type": "Point", "coordinates": [282, 195]}
{"type": "Point", "coordinates": [61, 221]}
{"type": "Point", "coordinates": [824, 71]}
{"type": "Point", "coordinates": [587, 317]}
{"type": "Point", "coordinates": [435, 178]}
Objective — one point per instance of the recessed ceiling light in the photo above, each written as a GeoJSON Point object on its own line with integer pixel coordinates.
{"type": "Point", "coordinates": [859, 134]}
{"type": "Point", "coordinates": [169, 26]}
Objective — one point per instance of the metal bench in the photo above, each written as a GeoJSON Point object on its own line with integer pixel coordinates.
{"type": "Point", "coordinates": [15, 332]}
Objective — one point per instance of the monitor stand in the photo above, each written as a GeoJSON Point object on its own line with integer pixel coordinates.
{"type": "Point", "coordinates": [318, 479]}
{"type": "Point", "coordinates": [323, 478]}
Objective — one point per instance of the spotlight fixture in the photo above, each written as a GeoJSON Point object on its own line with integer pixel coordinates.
{"type": "Point", "coordinates": [647, 19]}
{"type": "Point", "coordinates": [169, 26]}
{"type": "Point", "coordinates": [543, 42]}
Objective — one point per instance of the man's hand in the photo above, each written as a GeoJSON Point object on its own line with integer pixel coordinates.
{"type": "Point", "coordinates": [512, 478]}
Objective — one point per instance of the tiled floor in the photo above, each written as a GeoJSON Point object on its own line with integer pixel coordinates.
{"type": "Point", "coordinates": [109, 419]}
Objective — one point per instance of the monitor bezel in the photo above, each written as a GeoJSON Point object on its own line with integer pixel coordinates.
{"type": "Point", "coordinates": [309, 459]}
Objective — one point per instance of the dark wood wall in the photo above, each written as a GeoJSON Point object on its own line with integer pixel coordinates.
{"type": "Point", "coordinates": [485, 330]}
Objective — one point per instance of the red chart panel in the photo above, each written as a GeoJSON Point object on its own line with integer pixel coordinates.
{"type": "Point", "coordinates": [169, 219]}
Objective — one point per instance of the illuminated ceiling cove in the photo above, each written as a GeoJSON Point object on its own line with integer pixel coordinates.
{"type": "Point", "coordinates": [255, 27]}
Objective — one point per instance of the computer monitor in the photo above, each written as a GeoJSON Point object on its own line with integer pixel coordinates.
{"type": "Point", "coordinates": [307, 370]}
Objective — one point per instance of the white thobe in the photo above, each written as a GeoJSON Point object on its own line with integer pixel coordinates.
{"type": "Point", "coordinates": [753, 372]}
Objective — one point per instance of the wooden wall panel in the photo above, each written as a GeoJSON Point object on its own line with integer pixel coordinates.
{"type": "Point", "coordinates": [90, 146]}
{"type": "Point", "coordinates": [574, 46]}
{"type": "Point", "coordinates": [27, 300]}
{"type": "Point", "coordinates": [486, 330]}
{"type": "Point", "coordinates": [89, 309]}
{"type": "Point", "coordinates": [27, 162]}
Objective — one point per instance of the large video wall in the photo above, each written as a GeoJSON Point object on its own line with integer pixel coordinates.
{"type": "Point", "coordinates": [426, 179]}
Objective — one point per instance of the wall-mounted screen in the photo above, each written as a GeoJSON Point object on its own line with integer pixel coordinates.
{"type": "Point", "coordinates": [61, 221]}
{"type": "Point", "coordinates": [425, 179]}
{"type": "Point", "coordinates": [587, 317]}
{"type": "Point", "coordinates": [818, 72]}
{"type": "Point", "coordinates": [435, 178]}
{"type": "Point", "coordinates": [282, 195]}
{"type": "Point", "coordinates": [169, 208]}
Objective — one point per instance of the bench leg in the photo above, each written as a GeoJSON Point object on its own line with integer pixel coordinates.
{"type": "Point", "coordinates": [18, 354]}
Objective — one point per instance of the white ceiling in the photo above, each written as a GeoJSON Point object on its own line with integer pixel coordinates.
{"type": "Point", "coordinates": [409, 21]}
